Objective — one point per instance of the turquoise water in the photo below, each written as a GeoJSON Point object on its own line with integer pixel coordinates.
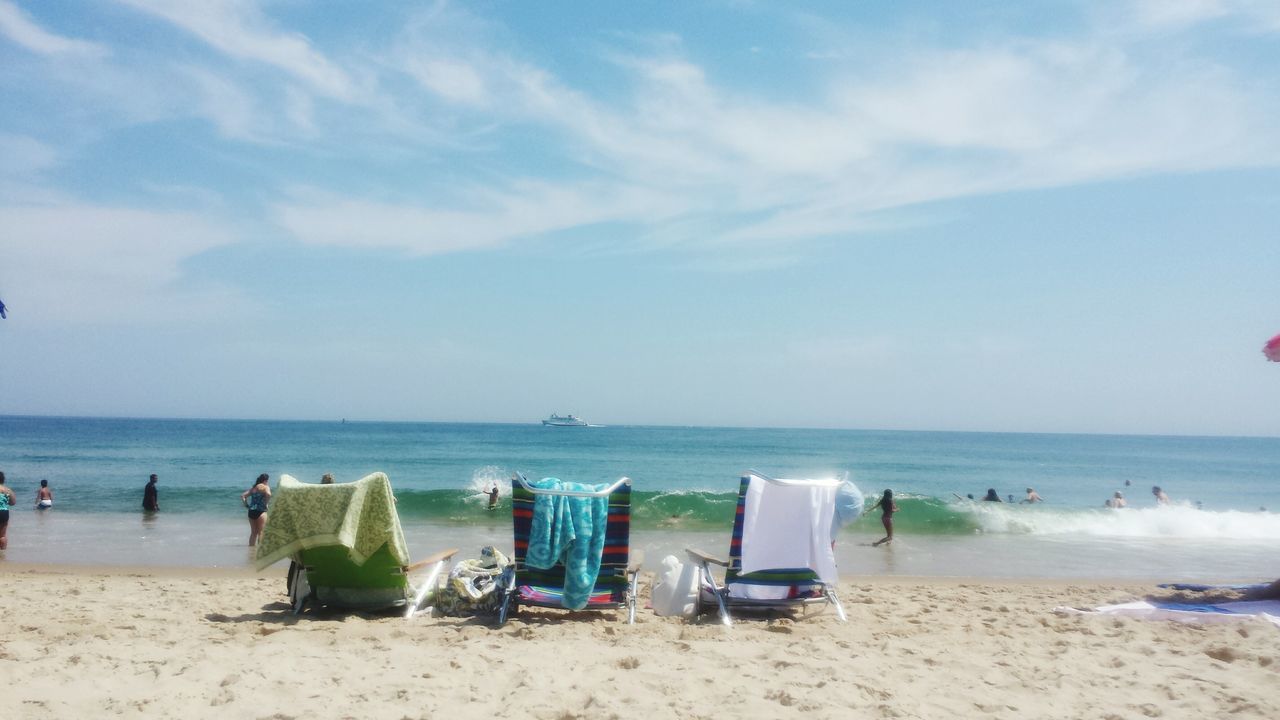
{"type": "Point", "coordinates": [684, 478]}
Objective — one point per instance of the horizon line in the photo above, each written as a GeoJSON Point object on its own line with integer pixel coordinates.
{"type": "Point", "coordinates": [343, 420]}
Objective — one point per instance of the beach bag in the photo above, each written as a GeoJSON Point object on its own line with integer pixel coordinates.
{"type": "Point", "coordinates": [674, 592]}
{"type": "Point", "coordinates": [472, 584]}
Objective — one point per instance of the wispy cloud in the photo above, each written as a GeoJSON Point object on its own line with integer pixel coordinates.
{"type": "Point", "coordinates": [490, 218]}
{"type": "Point", "coordinates": [935, 124]}
{"type": "Point", "coordinates": [671, 145]}
{"type": "Point", "coordinates": [1252, 15]}
{"type": "Point", "coordinates": [83, 263]}
{"type": "Point", "coordinates": [239, 29]}
{"type": "Point", "coordinates": [21, 29]}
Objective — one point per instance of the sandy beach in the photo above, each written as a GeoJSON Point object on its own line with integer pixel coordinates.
{"type": "Point", "coordinates": [84, 642]}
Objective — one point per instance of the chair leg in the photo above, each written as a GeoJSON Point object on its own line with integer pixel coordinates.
{"type": "Point", "coordinates": [724, 610]}
{"type": "Point", "coordinates": [427, 587]}
{"type": "Point", "coordinates": [835, 600]}
{"type": "Point", "coordinates": [507, 586]}
{"type": "Point", "coordinates": [633, 598]}
{"type": "Point", "coordinates": [299, 590]}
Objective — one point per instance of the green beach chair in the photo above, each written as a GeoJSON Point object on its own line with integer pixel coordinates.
{"type": "Point", "coordinates": [346, 545]}
{"type": "Point", "coordinates": [797, 584]}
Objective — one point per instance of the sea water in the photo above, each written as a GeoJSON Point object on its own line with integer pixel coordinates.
{"type": "Point", "coordinates": [1223, 523]}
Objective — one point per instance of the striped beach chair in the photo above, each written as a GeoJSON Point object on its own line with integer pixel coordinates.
{"type": "Point", "coordinates": [616, 586]}
{"type": "Point", "coordinates": [797, 587]}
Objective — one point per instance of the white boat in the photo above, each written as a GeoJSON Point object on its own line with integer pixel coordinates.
{"type": "Point", "coordinates": [564, 421]}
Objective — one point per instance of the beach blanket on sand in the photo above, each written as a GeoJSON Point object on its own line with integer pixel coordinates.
{"type": "Point", "coordinates": [1195, 613]}
{"type": "Point", "coordinates": [1198, 587]}
{"type": "Point", "coordinates": [360, 516]}
{"type": "Point", "coordinates": [569, 530]}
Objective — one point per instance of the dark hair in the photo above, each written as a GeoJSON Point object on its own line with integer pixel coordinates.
{"type": "Point", "coordinates": [1155, 488]}
{"type": "Point", "coordinates": [887, 498]}
{"type": "Point", "coordinates": [1, 478]}
{"type": "Point", "coordinates": [263, 479]}
{"type": "Point", "coordinates": [153, 477]}
{"type": "Point", "coordinates": [992, 495]}
{"type": "Point", "coordinates": [44, 483]}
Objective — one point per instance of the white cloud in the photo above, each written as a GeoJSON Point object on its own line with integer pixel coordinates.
{"type": "Point", "coordinates": [239, 29]}
{"type": "Point", "coordinates": [1176, 13]}
{"type": "Point", "coordinates": [671, 147]}
{"type": "Point", "coordinates": [21, 29]}
{"type": "Point", "coordinates": [1248, 15]}
{"type": "Point", "coordinates": [77, 263]}
{"type": "Point", "coordinates": [489, 219]}
{"type": "Point", "coordinates": [936, 124]}
{"type": "Point", "coordinates": [454, 80]}
{"type": "Point", "coordinates": [24, 156]}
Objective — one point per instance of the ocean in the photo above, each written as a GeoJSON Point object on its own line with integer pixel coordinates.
{"type": "Point", "coordinates": [1223, 524]}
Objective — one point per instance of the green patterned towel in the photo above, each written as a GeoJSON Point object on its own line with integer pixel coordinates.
{"type": "Point", "coordinates": [360, 516]}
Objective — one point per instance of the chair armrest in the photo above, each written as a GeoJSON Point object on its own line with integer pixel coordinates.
{"type": "Point", "coordinates": [700, 556]}
{"type": "Point", "coordinates": [442, 555]}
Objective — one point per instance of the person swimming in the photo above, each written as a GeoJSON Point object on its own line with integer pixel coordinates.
{"type": "Point", "coordinates": [1116, 501]}
{"type": "Point", "coordinates": [992, 496]}
{"type": "Point", "coordinates": [44, 496]}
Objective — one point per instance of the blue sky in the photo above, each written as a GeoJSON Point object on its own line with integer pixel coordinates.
{"type": "Point", "coordinates": [1048, 217]}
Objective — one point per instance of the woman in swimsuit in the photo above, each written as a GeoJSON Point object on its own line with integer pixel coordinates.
{"type": "Point", "coordinates": [7, 498]}
{"type": "Point", "coordinates": [887, 509]}
{"type": "Point", "coordinates": [256, 499]}
{"type": "Point", "coordinates": [44, 496]}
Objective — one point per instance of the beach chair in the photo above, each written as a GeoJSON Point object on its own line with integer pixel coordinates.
{"type": "Point", "coordinates": [346, 545]}
{"type": "Point", "coordinates": [798, 512]}
{"type": "Point", "coordinates": [616, 586]}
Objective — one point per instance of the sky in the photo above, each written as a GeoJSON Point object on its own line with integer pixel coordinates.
{"type": "Point", "coordinates": [986, 216]}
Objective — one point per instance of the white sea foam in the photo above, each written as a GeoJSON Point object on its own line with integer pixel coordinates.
{"type": "Point", "coordinates": [484, 478]}
{"type": "Point", "coordinates": [1153, 522]}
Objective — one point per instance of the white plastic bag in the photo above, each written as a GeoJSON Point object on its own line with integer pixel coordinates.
{"type": "Point", "coordinates": [673, 593]}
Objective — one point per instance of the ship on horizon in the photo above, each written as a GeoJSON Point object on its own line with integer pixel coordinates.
{"type": "Point", "coordinates": [564, 421]}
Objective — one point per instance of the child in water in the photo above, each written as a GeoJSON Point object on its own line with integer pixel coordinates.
{"type": "Point", "coordinates": [887, 509]}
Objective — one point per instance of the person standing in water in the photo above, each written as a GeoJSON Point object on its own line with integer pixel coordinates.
{"type": "Point", "coordinates": [44, 496]}
{"type": "Point", "coordinates": [1160, 496]}
{"type": "Point", "coordinates": [7, 498]}
{"type": "Point", "coordinates": [992, 496]}
{"type": "Point", "coordinates": [493, 497]}
{"type": "Point", "coordinates": [256, 499]}
{"type": "Point", "coordinates": [151, 496]}
{"type": "Point", "coordinates": [1032, 496]}
{"type": "Point", "coordinates": [1117, 501]}
{"type": "Point", "coordinates": [887, 509]}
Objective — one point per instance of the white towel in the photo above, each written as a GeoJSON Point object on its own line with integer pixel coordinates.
{"type": "Point", "coordinates": [788, 526]}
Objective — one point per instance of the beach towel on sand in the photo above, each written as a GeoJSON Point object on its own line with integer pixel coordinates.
{"type": "Point", "coordinates": [360, 516]}
{"type": "Point", "coordinates": [569, 530]}
{"type": "Point", "coordinates": [1195, 613]}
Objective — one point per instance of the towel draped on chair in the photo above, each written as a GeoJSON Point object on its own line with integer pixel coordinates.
{"type": "Point", "coordinates": [569, 530]}
{"type": "Point", "coordinates": [360, 516]}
